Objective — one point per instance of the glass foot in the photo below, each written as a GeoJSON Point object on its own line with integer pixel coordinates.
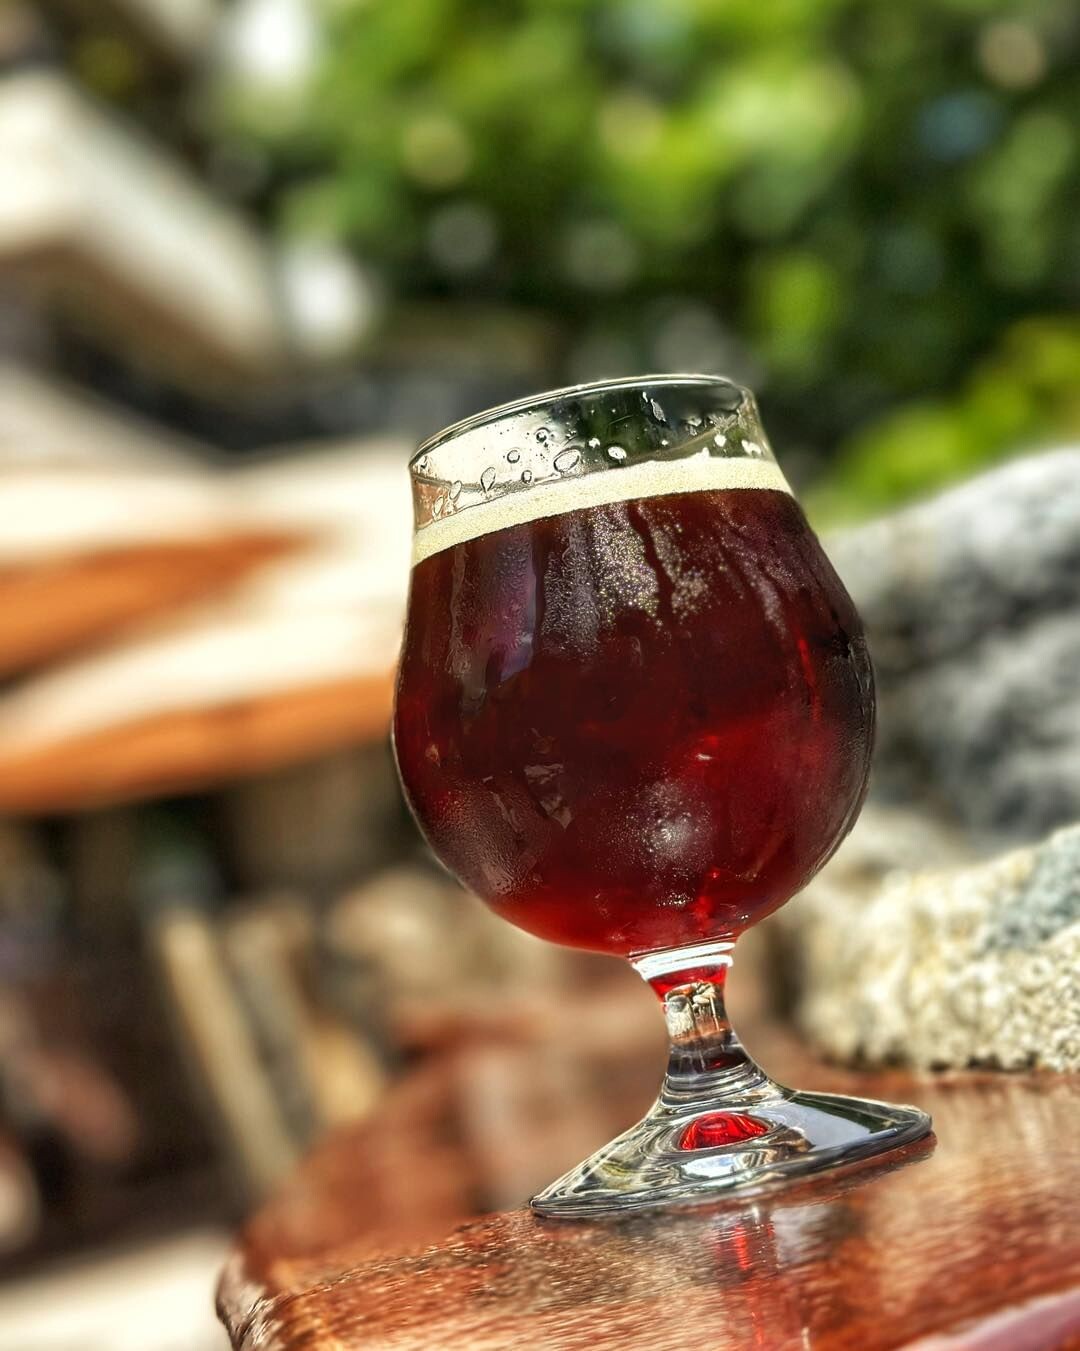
{"type": "Point", "coordinates": [720, 1126]}
{"type": "Point", "coordinates": [675, 1158]}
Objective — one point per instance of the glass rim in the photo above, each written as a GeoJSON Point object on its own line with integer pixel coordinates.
{"type": "Point", "coordinates": [551, 396]}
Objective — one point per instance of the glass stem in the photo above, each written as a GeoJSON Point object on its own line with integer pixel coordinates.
{"type": "Point", "coordinates": [707, 1064]}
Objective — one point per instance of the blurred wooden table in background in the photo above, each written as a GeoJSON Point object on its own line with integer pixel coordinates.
{"type": "Point", "coordinates": [971, 1240]}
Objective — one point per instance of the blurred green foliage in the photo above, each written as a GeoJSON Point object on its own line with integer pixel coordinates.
{"type": "Point", "coordinates": [868, 207]}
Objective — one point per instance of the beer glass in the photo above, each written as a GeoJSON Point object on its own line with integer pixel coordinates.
{"type": "Point", "coordinates": [634, 714]}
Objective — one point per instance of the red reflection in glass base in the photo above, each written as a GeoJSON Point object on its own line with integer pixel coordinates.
{"type": "Point", "coordinates": [721, 1128]}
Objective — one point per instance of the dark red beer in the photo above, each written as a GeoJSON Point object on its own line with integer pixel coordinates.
{"type": "Point", "coordinates": [640, 725]}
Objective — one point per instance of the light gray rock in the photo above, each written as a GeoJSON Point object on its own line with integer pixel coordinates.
{"type": "Point", "coordinates": [972, 605]}
{"type": "Point", "coordinates": [971, 966]}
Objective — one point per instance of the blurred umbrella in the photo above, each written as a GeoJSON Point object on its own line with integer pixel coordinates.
{"type": "Point", "coordinates": [124, 240]}
{"type": "Point", "coordinates": [105, 522]}
{"type": "Point", "coordinates": [48, 424]}
{"type": "Point", "coordinates": [294, 663]}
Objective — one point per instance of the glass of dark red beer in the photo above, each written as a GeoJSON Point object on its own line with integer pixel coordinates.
{"type": "Point", "coordinates": [634, 714]}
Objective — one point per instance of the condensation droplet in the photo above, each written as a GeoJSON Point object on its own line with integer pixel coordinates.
{"type": "Point", "coordinates": [437, 506]}
{"type": "Point", "coordinates": [512, 456]}
{"type": "Point", "coordinates": [487, 479]}
{"type": "Point", "coordinates": [664, 441]}
{"type": "Point", "coordinates": [422, 464]}
{"type": "Point", "coordinates": [616, 453]}
{"type": "Point", "coordinates": [455, 490]}
{"type": "Point", "coordinates": [526, 476]}
{"type": "Point", "coordinates": [752, 448]}
{"type": "Point", "coordinates": [657, 411]}
{"type": "Point", "coordinates": [543, 435]}
{"type": "Point", "coordinates": [719, 439]}
{"type": "Point", "coordinates": [567, 459]}
{"type": "Point", "coordinates": [594, 442]}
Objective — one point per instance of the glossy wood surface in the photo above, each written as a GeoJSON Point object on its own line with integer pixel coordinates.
{"type": "Point", "coordinates": [968, 1240]}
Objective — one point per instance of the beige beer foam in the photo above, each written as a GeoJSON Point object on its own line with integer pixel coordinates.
{"type": "Point", "coordinates": [555, 497]}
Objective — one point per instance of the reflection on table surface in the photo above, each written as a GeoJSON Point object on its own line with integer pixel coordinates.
{"type": "Point", "coordinates": [974, 1225]}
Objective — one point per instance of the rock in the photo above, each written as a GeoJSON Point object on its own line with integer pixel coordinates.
{"type": "Point", "coordinates": [971, 601]}
{"type": "Point", "coordinates": [904, 949]}
{"type": "Point", "coordinates": [973, 966]}
{"type": "Point", "coordinates": [886, 843]}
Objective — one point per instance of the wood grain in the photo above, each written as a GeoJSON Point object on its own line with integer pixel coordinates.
{"type": "Point", "coordinates": [971, 1240]}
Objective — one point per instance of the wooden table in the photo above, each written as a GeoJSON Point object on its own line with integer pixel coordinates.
{"type": "Point", "coordinates": [969, 1240]}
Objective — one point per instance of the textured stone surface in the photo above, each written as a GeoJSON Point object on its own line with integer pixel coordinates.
{"type": "Point", "coordinates": [972, 605]}
{"type": "Point", "coordinates": [977, 965]}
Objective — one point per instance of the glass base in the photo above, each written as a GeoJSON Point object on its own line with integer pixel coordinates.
{"type": "Point", "coordinates": [677, 1158]}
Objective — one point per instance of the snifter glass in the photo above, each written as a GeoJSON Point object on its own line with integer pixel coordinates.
{"type": "Point", "coordinates": [634, 714]}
